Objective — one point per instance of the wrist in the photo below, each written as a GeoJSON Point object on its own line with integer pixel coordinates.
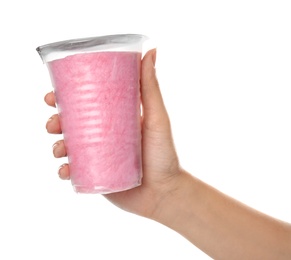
{"type": "Point", "coordinates": [173, 200]}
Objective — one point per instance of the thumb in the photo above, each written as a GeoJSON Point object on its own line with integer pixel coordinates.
{"type": "Point", "coordinates": [155, 117]}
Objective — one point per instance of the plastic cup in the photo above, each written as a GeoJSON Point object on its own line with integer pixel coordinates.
{"type": "Point", "coordinates": [96, 83]}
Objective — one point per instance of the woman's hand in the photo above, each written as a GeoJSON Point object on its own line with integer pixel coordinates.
{"type": "Point", "coordinates": [160, 161]}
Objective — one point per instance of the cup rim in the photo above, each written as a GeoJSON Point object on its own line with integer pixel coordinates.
{"type": "Point", "coordinates": [113, 42]}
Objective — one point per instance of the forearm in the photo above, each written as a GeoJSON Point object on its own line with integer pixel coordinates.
{"type": "Point", "coordinates": [221, 226]}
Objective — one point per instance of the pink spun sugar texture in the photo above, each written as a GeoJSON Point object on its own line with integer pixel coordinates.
{"type": "Point", "coordinates": [98, 97]}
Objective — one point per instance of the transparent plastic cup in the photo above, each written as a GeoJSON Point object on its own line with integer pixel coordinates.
{"type": "Point", "coordinates": [96, 82]}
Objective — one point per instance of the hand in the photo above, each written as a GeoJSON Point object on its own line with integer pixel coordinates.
{"type": "Point", "coordinates": [160, 161]}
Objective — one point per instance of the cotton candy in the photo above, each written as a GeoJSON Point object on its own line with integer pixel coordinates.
{"type": "Point", "coordinates": [98, 99]}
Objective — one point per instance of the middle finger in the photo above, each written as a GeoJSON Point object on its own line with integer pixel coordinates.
{"type": "Point", "coordinates": [53, 125]}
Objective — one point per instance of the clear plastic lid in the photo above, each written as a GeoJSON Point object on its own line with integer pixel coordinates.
{"type": "Point", "coordinates": [117, 42]}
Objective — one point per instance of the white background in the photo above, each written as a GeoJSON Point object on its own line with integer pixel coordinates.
{"type": "Point", "coordinates": [224, 68]}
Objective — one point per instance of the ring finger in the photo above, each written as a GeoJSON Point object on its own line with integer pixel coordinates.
{"type": "Point", "coordinates": [59, 149]}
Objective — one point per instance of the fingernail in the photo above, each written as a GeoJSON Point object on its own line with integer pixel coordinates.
{"type": "Point", "coordinates": [154, 56]}
{"type": "Point", "coordinates": [55, 148]}
{"type": "Point", "coordinates": [51, 118]}
{"type": "Point", "coordinates": [61, 174]}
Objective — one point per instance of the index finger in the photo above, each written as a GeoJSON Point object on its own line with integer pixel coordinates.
{"type": "Point", "coordinates": [50, 99]}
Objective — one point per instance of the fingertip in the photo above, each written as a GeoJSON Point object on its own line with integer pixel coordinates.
{"type": "Point", "coordinates": [49, 99]}
{"type": "Point", "coordinates": [64, 172]}
{"type": "Point", "coordinates": [151, 55]}
{"type": "Point", "coordinates": [53, 125]}
{"type": "Point", "coordinates": [59, 149]}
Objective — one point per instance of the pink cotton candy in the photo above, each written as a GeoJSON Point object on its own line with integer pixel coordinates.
{"type": "Point", "coordinates": [98, 97]}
